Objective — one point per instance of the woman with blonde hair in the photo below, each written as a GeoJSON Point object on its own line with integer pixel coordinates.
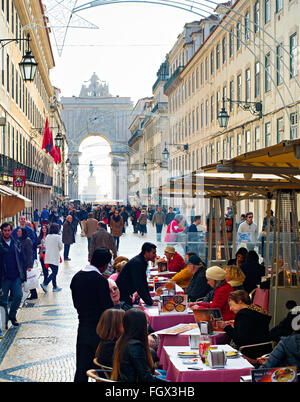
{"type": "Point", "coordinates": [132, 357]}
{"type": "Point", "coordinates": [109, 329]}
{"type": "Point", "coordinates": [118, 268]}
{"type": "Point", "coordinates": [234, 276]}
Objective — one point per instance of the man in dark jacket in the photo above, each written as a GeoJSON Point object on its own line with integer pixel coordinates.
{"type": "Point", "coordinates": [133, 277]}
{"type": "Point", "coordinates": [198, 286]}
{"type": "Point", "coordinates": [102, 238]}
{"type": "Point", "coordinates": [91, 297]}
{"type": "Point", "coordinates": [68, 236]}
{"type": "Point", "coordinates": [12, 272]}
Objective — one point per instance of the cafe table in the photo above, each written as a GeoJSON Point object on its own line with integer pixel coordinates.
{"type": "Point", "coordinates": [160, 321]}
{"type": "Point", "coordinates": [182, 339]}
{"type": "Point", "coordinates": [179, 372]}
{"type": "Point", "coordinates": [178, 291]}
{"type": "Point", "coordinates": [166, 274]}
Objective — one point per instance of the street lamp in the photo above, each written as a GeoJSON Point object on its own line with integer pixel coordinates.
{"type": "Point", "coordinates": [223, 116]}
{"type": "Point", "coordinates": [68, 163]}
{"type": "Point", "coordinates": [253, 107]}
{"type": "Point", "coordinates": [28, 65]}
{"type": "Point", "coordinates": [59, 139]}
{"type": "Point", "coordinates": [166, 153]}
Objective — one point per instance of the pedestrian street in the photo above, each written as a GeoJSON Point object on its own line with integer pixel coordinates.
{"type": "Point", "coordinates": [42, 348]}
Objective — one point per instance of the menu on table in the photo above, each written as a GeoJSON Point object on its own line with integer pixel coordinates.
{"type": "Point", "coordinates": [173, 304]}
{"type": "Point", "coordinates": [212, 315]}
{"type": "Point", "coordinates": [164, 288]}
{"type": "Point", "coordinates": [178, 329]}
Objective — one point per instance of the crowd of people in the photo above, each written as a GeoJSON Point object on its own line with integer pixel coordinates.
{"type": "Point", "coordinates": [107, 293]}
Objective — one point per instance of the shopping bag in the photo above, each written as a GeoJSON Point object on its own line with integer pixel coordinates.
{"type": "Point", "coordinates": [32, 281]}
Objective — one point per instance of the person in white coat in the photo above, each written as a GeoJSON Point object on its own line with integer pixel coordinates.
{"type": "Point", "coordinates": [53, 247]}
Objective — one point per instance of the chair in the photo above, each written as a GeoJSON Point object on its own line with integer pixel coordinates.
{"type": "Point", "coordinates": [261, 348]}
{"type": "Point", "coordinates": [106, 370]}
{"type": "Point", "coordinates": [94, 374]}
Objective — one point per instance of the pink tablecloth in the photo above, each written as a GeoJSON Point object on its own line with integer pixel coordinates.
{"type": "Point", "coordinates": [235, 368]}
{"type": "Point", "coordinates": [183, 340]}
{"type": "Point", "coordinates": [165, 274]}
{"type": "Point", "coordinates": [163, 321]}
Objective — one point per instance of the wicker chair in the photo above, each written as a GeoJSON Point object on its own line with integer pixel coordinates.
{"type": "Point", "coordinates": [95, 375]}
{"type": "Point", "coordinates": [106, 370]}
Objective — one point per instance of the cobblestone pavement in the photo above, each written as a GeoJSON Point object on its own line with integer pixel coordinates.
{"type": "Point", "coordinates": [42, 348]}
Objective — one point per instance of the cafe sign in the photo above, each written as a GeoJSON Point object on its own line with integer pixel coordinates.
{"type": "Point", "coordinates": [19, 177]}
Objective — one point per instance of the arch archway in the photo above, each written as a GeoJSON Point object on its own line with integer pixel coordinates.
{"type": "Point", "coordinates": [94, 169]}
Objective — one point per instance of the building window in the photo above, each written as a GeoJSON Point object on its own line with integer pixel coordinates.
{"type": "Point", "coordinates": [247, 141]}
{"type": "Point", "coordinates": [267, 72]}
{"type": "Point", "coordinates": [280, 129]}
{"type": "Point", "coordinates": [267, 11]}
{"type": "Point", "coordinates": [279, 65]}
{"type": "Point", "coordinates": [225, 148]}
{"type": "Point", "coordinates": [231, 95]}
{"type": "Point", "coordinates": [7, 72]}
{"type": "Point", "coordinates": [256, 16]}
{"type": "Point", "coordinates": [278, 5]}
{"type": "Point", "coordinates": [218, 103]}
{"type": "Point", "coordinates": [257, 80]}
{"type": "Point", "coordinates": [2, 66]}
{"type": "Point", "coordinates": [206, 113]}
{"type": "Point", "coordinates": [247, 85]}
{"type": "Point", "coordinates": [224, 50]}
{"type": "Point", "coordinates": [267, 134]}
{"type": "Point", "coordinates": [293, 55]}
{"type": "Point", "coordinates": [212, 153]}
{"type": "Point", "coordinates": [218, 57]}
{"type": "Point", "coordinates": [231, 43]}
{"type": "Point", "coordinates": [294, 125]}
{"type": "Point", "coordinates": [247, 27]}
{"type": "Point", "coordinates": [239, 87]}
{"type": "Point", "coordinates": [212, 58]}
{"type": "Point", "coordinates": [257, 138]}
{"type": "Point", "coordinates": [239, 144]}
{"type": "Point", "coordinates": [12, 81]}
{"type": "Point", "coordinates": [201, 115]}
{"type": "Point", "coordinates": [218, 151]}
{"type": "Point", "coordinates": [206, 68]}
{"type": "Point", "coordinates": [238, 34]}
{"type": "Point", "coordinates": [231, 147]}
{"type": "Point", "coordinates": [212, 106]}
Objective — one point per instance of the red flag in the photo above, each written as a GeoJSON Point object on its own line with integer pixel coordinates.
{"type": "Point", "coordinates": [59, 155]}
{"type": "Point", "coordinates": [52, 148]}
{"type": "Point", "coordinates": [47, 137]}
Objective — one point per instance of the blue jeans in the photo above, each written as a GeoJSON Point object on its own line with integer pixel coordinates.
{"type": "Point", "coordinates": [15, 286]}
{"type": "Point", "coordinates": [89, 242]}
{"type": "Point", "coordinates": [66, 251]}
{"type": "Point", "coordinates": [158, 232]}
{"type": "Point", "coordinates": [52, 276]}
{"type": "Point", "coordinates": [117, 241]}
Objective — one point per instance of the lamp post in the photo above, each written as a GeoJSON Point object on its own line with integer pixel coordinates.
{"type": "Point", "coordinates": [27, 65]}
{"type": "Point", "coordinates": [166, 153]}
{"type": "Point", "coordinates": [253, 107]}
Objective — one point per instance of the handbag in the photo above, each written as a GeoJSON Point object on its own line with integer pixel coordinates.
{"type": "Point", "coordinates": [32, 281]}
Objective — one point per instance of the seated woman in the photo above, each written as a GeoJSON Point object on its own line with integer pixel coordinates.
{"type": "Point", "coordinates": [183, 278]}
{"type": "Point", "coordinates": [175, 261]}
{"type": "Point", "coordinates": [118, 268]}
{"type": "Point", "coordinates": [251, 324]}
{"type": "Point", "coordinates": [216, 279]}
{"type": "Point", "coordinates": [240, 257]}
{"type": "Point", "coordinates": [198, 286]}
{"type": "Point", "coordinates": [109, 329]}
{"type": "Point", "coordinates": [132, 357]}
{"type": "Point", "coordinates": [235, 277]}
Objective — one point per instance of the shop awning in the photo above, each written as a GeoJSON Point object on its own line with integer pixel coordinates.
{"type": "Point", "coordinates": [12, 202]}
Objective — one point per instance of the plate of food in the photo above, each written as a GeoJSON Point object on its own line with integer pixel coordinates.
{"type": "Point", "coordinates": [232, 355]}
{"type": "Point", "coordinates": [285, 374]}
{"type": "Point", "coordinates": [188, 354]}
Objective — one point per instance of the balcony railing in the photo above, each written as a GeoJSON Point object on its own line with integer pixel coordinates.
{"type": "Point", "coordinates": [7, 166]}
{"type": "Point", "coordinates": [172, 80]}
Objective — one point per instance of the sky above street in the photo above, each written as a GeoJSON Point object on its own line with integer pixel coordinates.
{"type": "Point", "coordinates": [126, 51]}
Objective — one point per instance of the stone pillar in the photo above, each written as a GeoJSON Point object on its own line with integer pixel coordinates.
{"type": "Point", "coordinates": [119, 166]}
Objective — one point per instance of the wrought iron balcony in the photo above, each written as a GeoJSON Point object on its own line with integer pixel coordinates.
{"type": "Point", "coordinates": [7, 166]}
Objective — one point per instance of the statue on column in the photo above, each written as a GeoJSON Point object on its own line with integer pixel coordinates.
{"type": "Point", "coordinates": [91, 169]}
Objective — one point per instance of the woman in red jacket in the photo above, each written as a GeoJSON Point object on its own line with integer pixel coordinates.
{"type": "Point", "coordinates": [216, 279]}
{"type": "Point", "coordinates": [175, 261]}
